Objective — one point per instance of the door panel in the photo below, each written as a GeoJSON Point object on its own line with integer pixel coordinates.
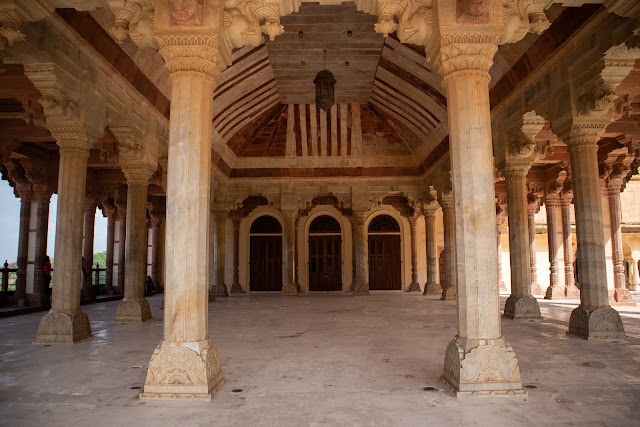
{"type": "Point", "coordinates": [325, 263]}
{"type": "Point", "coordinates": [384, 262]}
{"type": "Point", "coordinates": [265, 263]}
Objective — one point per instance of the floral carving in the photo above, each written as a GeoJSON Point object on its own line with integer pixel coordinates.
{"type": "Point", "coordinates": [525, 307]}
{"type": "Point", "coordinates": [61, 327]}
{"type": "Point", "coordinates": [601, 322]}
{"type": "Point", "coordinates": [133, 310]}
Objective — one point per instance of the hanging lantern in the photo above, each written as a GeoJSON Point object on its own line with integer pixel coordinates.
{"type": "Point", "coordinates": [325, 87]}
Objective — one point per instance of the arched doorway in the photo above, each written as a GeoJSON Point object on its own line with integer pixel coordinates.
{"type": "Point", "coordinates": [325, 257]}
{"type": "Point", "coordinates": [265, 261]}
{"type": "Point", "coordinates": [384, 254]}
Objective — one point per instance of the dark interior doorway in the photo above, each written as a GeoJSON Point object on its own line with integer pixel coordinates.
{"type": "Point", "coordinates": [325, 255]}
{"type": "Point", "coordinates": [265, 255]}
{"type": "Point", "coordinates": [384, 254]}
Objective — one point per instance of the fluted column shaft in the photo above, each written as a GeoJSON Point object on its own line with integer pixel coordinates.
{"type": "Point", "coordinates": [88, 292]}
{"type": "Point", "coordinates": [531, 228]}
{"type": "Point", "coordinates": [134, 307]}
{"type": "Point", "coordinates": [122, 237]}
{"type": "Point", "coordinates": [361, 284]}
{"type": "Point", "coordinates": [42, 228]}
{"type": "Point", "coordinates": [66, 322]}
{"type": "Point", "coordinates": [619, 278]}
{"type": "Point", "coordinates": [594, 318]}
{"type": "Point", "coordinates": [449, 290]}
{"type": "Point", "coordinates": [111, 220]}
{"type": "Point", "coordinates": [433, 281]}
{"type": "Point", "coordinates": [516, 183]}
{"type": "Point", "coordinates": [567, 245]}
{"type": "Point", "coordinates": [556, 287]}
{"type": "Point", "coordinates": [23, 249]}
{"type": "Point", "coordinates": [520, 304]}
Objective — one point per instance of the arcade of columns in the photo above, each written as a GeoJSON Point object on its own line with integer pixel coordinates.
{"type": "Point", "coordinates": [89, 108]}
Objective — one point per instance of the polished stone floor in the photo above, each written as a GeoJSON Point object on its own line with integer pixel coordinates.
{"type": "Point", "coordinates": [324, 359]}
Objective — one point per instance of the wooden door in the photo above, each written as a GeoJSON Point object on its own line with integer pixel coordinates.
{"type": "Point", "coordinates": [384, 262]}
{"type": "Point", "coordinates": [265, 263]}
{"type": "Point", "coordinates": [325, 263]}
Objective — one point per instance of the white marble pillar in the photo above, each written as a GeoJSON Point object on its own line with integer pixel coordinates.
{"type": "Point", "coordinates": [449, 289]}
{"type": "Point", "coordinates": [532, 208]}
{"type": "Point", "coordinates": [479, 338]}
{"type": "Point", "coordinates": [134, 307]}
{"type": "Point", "coordinates": [520, 304]}
{"type": "Point", "coordinates": [619, 294]}
{"type": "Point", "coordinates": [432, 287]}
{"type": "Point", "coordinates": [571, 290]}
{"type": "Point", "coordinates": [186, 365]}
{"type": "Point", "coordinates": [594, 318]}
{"type": "Point", "coordinates": [219, 287]}
{"type": "Point", "coordinates": [556, 287]}
{"type": "Point", "coordinates": [289, 267]}
{"type": "Point", "coordinates": [66, 322]}
{"type": "Point", "coordinates": [360, 283]}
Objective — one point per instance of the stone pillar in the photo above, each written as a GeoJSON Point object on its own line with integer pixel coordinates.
{"type": "Point", "coordinates": [23, 249]}
{"type": "Point", "coordinates": [219, 288]}
{"type": "Point", "coordinates": [634, 274]}
{"type": "Point", "coordinates": [135, 307]}
{"type": "Point", "coordinates": [121, 211]}
{"type": "Point", "coordinates": [500, 216]}
{"type": "Point", "coordinates": [594, 318]}
{"type": "Point", "coordinates": [432, 287]}
{"type": "Point", "coordinates": [235, 286]}
{"type": "Point", "coordinates": [449, 291]}
{"type": "Point", "coordinates": [413, 220]}
{"type": "Point", "coordinates": [532, 208]}
{"type": "Point", "coordinates": [41, 287]}
{"type": "Point", "coordinates": [288, 272]}
{"type": "Point", "coordinates": [556, 287]}
{"type": "Point", "coordinates": [479, 338]}
{"type": "Point", "coordinates": [66, 322]}
{"type": "Point", "coordinates": [571, 290]}
{"type": "Point", "coordinates": [360, 284]}
{"type": "Point", "coordinates": [186, 365]}
{"type": "Point", "coordinates": [520, 304]}
{"type": "Point", "coordinates": [619, 294]}
{"type": "Point", "coordinates": [88, 292]}
{"type": "Point", "coordinates": [155, 248]}
{"type": "Point", "coordinates": [110, 211]}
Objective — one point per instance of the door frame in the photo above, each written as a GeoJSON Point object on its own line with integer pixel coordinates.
{"type": "Point", "coordinates": [345, 245]}
{"type": "Point", "coordinates": [244, 248]}
{"type": "Point", "coordinates": [405, 243]}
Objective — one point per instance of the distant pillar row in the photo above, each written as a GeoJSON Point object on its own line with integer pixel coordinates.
{"type": "Point", "coordinates": [432, 287]}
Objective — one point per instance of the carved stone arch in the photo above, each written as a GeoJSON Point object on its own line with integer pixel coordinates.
{"type": "Point", "coordinates": [303, 244]}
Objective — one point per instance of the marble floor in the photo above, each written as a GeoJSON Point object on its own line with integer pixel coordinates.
{"type": "Point", "coordinates": [323, 359]}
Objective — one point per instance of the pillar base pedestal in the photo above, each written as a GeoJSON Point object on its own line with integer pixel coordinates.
{"type": "Point", "coordinates": [432, 289]}
{"type": "Point", "coordinates": [555, 292]}
{"type": "Point", "coordinates": [449, 294]}
{"type": "Point", "coordinates": [537, 290]}
{"type": "Point", "coordinates": [133, 310]}
{"type": "Point", "coordinates": [478, 368]}
{"type": "Point", "coordinates": [361, 289]}
{"type": "Point", "coordinates": [620, 296]}
{"type": "Point", "coordinates": [219, 291]}
{"type": "Point", "coordinates": [57, 327]}
{"type": "Point", "coordinates": [572, 291]}
{"type": "Point", "coordinates": [502, 287]}
{"type": "Point", "coordinates": [596, 322]}
{"type": "Point", "coordinates": [525, 307]}
{"type": "Point", "coordinates": [183, 371]}
{"type": "Point", "coordinates": [414, 287]}
{"type": "Point", "coordinates": [289, 290]}
{"type": "Point", "coordinates": [236, 288]}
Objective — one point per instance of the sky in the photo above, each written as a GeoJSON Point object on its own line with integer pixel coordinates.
{"type": "Point", "coordinates": [10, 225]}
